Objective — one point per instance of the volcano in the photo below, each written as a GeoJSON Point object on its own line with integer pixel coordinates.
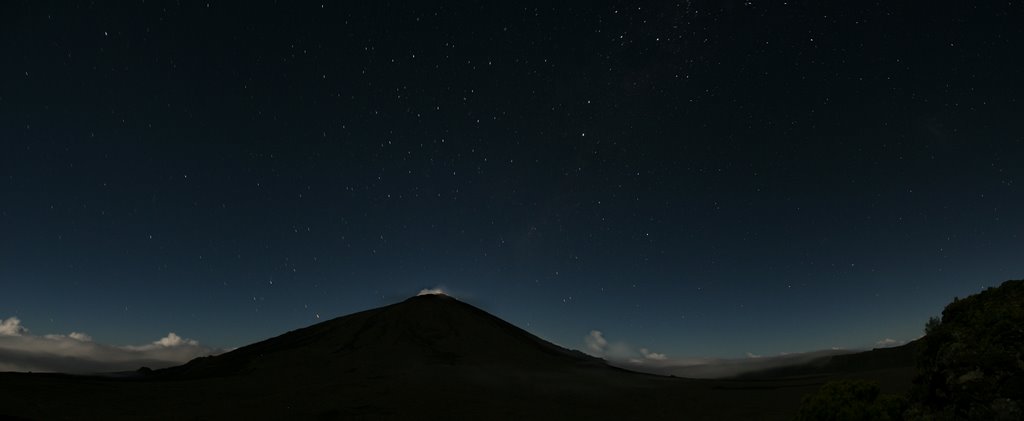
{"type": "Point", "coordinates": [429, 354]}
{"type": "Point", "coordinates": [435, 333]}
{"type": "Point", "coordinates": [428, 357]}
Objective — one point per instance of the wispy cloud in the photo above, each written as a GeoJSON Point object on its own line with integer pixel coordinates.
{"type": "Point", "coordinates": [76, 352]}
{"type": "Point", "coordinates": [888, 343]}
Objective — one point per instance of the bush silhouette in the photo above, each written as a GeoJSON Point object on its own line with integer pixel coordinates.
{"type": "Point", "coordinates": [851, 400]}
{"type": "Point", "coordinates": [972, 361]}
{"type": "Point", "coordinates": [970, 367]}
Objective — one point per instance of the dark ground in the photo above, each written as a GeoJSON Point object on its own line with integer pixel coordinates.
{"type": "Point", "coordinates": [435, 394]}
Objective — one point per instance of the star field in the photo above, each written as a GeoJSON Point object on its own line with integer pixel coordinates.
{"type": "Point", "coordinates": [697, 178]}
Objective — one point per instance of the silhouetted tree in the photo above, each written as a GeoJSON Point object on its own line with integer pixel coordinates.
{"type": "Point", "coordinates": [972, 361]}
{"type": "Point", "coordinates": [932, 324]}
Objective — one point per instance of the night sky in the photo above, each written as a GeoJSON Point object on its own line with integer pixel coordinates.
{"type": "Point", "coordinates": [701, 178]}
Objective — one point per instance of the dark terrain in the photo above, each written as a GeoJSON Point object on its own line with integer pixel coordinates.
{"type": "Point", "coordinates": [428, 357]}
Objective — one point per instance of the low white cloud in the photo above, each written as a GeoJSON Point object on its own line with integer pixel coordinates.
{"type": "Point", "coordinates": [12, 327]}
{"type": "Point", "coordinates": [753, 355]}
{"type": "Point", "coordinates": [76, 352]}
{"type": "Point", "coordinates": [652, 355]}
{"type": "Point", "coordinates": [431, 291]}
{"type": "Point", "coordinates": [595, 341]}
{"type": "Point", "coordinates": [618, 351]}
{"type": "Point", "coordinates": [173, 339]}
{"type": "Point", "coordinates": [888, 343]}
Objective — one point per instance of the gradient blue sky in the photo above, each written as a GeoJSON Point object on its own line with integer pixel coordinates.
{"type": "Point", "coordinates": [700, 179]}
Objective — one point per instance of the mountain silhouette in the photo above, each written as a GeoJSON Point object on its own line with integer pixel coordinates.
{"type": "Point", "coordinates": [422, 331]}
{"type": "Point", "coordinates": [430, 356]}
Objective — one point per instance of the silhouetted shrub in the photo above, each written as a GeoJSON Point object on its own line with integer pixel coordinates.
{"type": "Point", "coordinates": [972, 361]}
{"type": "Point", "coordinates": [851, 400]}
{"type": "Point", "coordinates": [932, 324]}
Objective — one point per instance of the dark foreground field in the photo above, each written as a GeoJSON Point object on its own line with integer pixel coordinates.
{"type": "Point", "coordinates": [429, 357]}
{"type": "Point", "coordinates": [445, 395]}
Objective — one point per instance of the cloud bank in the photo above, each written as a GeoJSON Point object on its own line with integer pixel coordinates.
{"type": "Point", "coordinates": [644, 360]}
{"type": "Point", "coordinates": [77, 353]}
